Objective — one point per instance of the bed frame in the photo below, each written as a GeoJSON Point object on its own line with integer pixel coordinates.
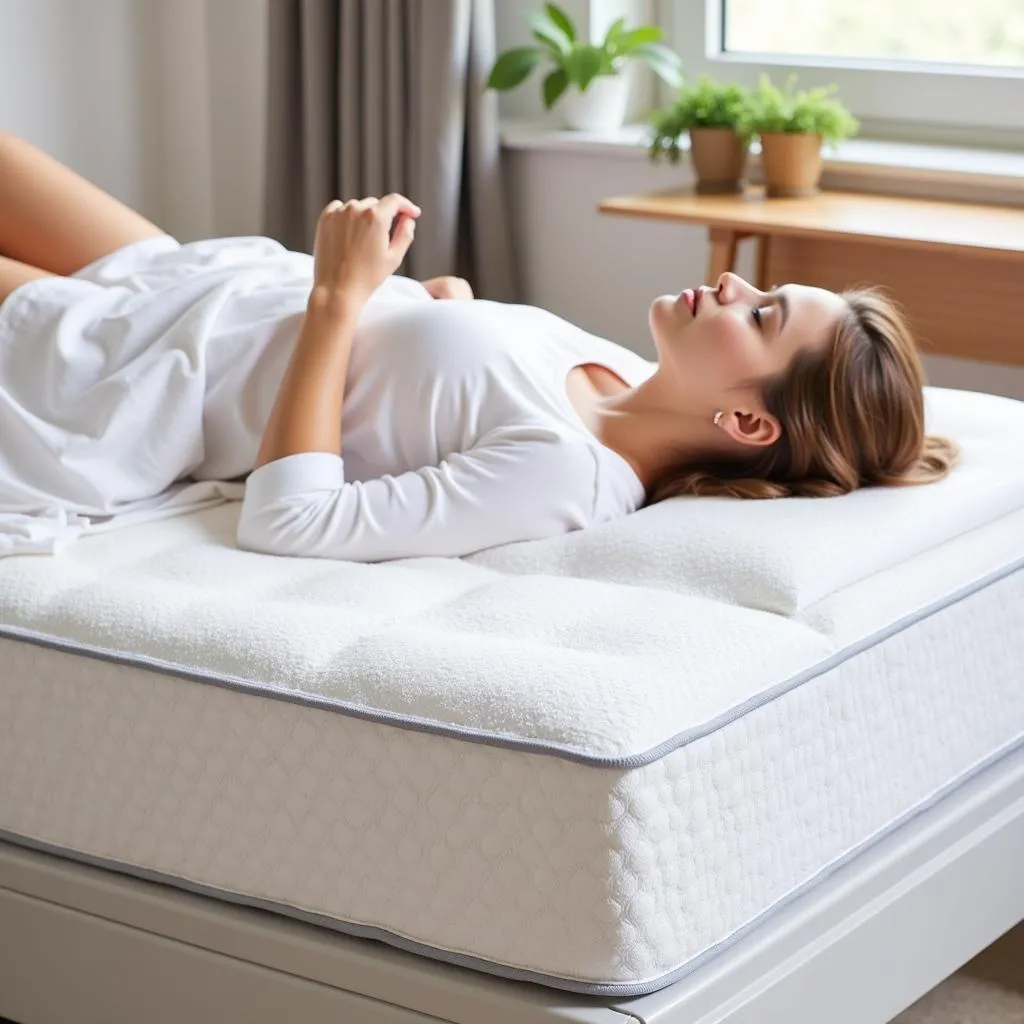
{"type": "Point", "coordinates": [84, 944]}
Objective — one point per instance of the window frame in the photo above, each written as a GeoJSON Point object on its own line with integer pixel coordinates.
{"type": "Point", "coordinates": [923, 102]}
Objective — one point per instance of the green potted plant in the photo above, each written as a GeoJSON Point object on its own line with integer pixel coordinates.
{"type": "Point", "coordinates": [712, 113]}
{"type": "Point", "coordinates": [792, 126]}
{"type": "Point", "coordinates": [587, 74]}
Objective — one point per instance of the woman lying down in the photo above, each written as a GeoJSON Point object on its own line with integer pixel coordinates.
{"type": "Point", "coordinates": [375, 417]}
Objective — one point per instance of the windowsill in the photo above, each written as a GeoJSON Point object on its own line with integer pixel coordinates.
{"type": "Point", "coordinates": [864, 158]}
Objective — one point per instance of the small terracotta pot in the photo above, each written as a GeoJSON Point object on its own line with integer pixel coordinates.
{"type": "Point", "coordinates": [792, 164]}
{"type": "Point", "coordinates": [719, 156]}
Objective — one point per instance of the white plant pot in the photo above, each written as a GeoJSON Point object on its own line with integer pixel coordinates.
{"type": "Point", "coordinates": [601, 107]}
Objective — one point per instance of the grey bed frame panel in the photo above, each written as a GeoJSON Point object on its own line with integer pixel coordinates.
{"type": "Point", "coordinates": [83, 944]}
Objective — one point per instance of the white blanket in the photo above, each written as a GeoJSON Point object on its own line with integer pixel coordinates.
{"type": "Point", "coordinates": [102, 395]}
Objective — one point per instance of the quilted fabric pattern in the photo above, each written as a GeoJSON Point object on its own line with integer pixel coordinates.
{"type": "Point", "coordinates": [590, 878]}
{"type": "Point", "coordinates": [590, 667]}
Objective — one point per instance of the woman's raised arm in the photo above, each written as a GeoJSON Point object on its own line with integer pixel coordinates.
{"type": "Point", "coordinates": [353, 254]}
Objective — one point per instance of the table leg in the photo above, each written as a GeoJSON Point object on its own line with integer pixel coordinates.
{"type": "Point", "coordinates": [723, 253]}
{"type": "Point", "coordinates": [763, 246]}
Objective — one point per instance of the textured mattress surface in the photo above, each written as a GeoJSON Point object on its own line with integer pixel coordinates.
{"type": "Point", "coordinates": [525, 762]}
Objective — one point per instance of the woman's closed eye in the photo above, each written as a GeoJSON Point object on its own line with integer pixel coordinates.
{"type": "Point", "coordinates": [757, 314]}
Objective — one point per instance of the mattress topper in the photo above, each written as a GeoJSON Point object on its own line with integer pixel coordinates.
{"type": "Point", "coordinates": [610, 646]}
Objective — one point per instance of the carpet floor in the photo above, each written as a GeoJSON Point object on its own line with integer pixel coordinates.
{"type": "Point", "coordinates": [962, 999]}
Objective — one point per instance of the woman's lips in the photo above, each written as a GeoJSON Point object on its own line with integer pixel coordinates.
{"type": "Point", "coordinates": [689, 296]}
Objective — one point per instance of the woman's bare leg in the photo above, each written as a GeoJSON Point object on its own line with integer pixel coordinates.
{"type": "Point", "coordinates": [52, 218]}
{"type": "Point", "coordinates": [13, 274]}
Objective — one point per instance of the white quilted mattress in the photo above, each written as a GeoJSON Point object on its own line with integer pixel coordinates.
{"type": "Point", "coordinates": [591, 762]}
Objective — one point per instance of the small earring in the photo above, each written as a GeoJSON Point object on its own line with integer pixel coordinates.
{"type": "Point", "coordinates": [718, 417]}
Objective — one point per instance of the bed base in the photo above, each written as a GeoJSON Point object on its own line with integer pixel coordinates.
{"type": "Point", "coordinates": [86, 944]}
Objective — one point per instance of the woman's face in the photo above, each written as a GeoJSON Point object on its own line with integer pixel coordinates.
{"type": "Point", "coordinates": [715, 346]}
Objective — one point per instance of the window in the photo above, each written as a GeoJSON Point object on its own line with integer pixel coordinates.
{"type": "Point", "coordinates": [914, 69]}
{"type": "Point", "coordinates": [988, 33]}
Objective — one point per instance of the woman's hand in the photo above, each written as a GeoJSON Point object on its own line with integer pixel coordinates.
{"type": "Point", "coordinates": [448, 288]}
{"type": "Point", "coordinates": [355, 250]}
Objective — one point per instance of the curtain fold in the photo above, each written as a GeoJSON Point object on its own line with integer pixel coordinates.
{"type": "Point", "coordinates": [375, 96]}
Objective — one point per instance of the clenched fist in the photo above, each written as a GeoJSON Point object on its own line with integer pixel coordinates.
{"type": "Point", "coordinates": [448, 288]}
{"type": "Point", "coordinates": [355, 250]}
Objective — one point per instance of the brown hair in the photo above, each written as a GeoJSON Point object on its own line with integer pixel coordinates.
{"type": "Point", "coordinates": [852, 416]}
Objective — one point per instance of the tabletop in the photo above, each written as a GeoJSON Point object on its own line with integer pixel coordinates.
{"type": "Point", "coordinates": [993, 231]}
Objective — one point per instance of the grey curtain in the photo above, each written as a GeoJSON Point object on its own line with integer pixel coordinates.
{"type": "Point", "coordinates": [375, 96]}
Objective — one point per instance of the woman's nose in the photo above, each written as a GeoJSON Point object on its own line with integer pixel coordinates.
{"type": "Point", "coordinates": [731, 287]}
{"type": "Point", "coordinates": [726, 286]}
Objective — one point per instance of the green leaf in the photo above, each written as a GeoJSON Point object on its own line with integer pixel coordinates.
{"type": "Point", "coordinates": [562, 20]}
{"type": "Point", "coordinates": [554, 85]}
{"type": "Point", "coordinates": [665, 63]}
{"type": "Point", "coordinates": [545, 31]}
{"type": "Point", "coordinates": [701, 104]}
{"type": "Point", "coordinates": [629, 41]}
{"type": "Point", "coordinates": [815, 111]}
{"type": "Point", "coordinates": [512, 67]}
{"type": "Point", "coordinates": [704, 104]}
{"type": "Point", "coordinates": [584, 65]}
{"type": "Point", "coordinates": [612, 36]}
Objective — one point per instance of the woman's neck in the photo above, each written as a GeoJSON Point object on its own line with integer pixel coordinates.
{"type": "Point", "coordinates": [650, 432]}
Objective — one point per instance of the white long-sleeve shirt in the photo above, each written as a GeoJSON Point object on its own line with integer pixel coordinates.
{"type": "Point", "coordinates": [140, 387]}
{"type": "Point", "coordinates": [458, 434]}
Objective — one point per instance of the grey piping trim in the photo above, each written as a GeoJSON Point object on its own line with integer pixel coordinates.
{"type": "Point", "coordinates": [417, 724]}
{"type": "Point", "coordinates": [619, 989]}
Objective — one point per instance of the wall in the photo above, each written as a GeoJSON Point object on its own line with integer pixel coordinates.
{"type": "Point", "coordinates": [599, 272]}
{"type": "Point", "coordinates": [160, 103]}
{"type": "Point", "coordinates": [70, 82]}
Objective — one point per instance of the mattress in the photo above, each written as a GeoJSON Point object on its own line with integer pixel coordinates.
{"type": "Point", "coordinates": [593, 762]}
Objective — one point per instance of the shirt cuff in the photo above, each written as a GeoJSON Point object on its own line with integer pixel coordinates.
{"type": "Point", "coordinates": [295, 474]}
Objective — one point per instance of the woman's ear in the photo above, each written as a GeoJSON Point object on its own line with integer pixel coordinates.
{"type": "Point", "coordinates": [751, 426]}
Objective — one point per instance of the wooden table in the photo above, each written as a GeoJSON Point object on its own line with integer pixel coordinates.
{"type": "Point", "coordinates": [956, 268]}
